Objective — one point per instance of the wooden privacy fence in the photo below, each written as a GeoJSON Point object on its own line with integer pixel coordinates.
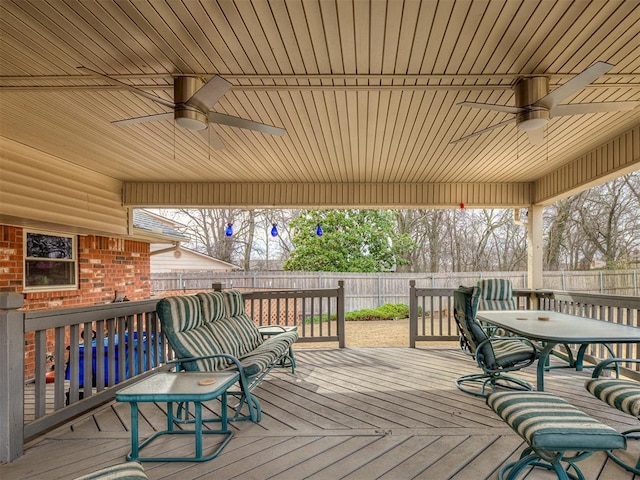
{"type": "Point", "coordinates": [371, 290]}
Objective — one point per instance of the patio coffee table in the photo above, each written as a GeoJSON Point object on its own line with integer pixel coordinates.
{"type": "Point", "coordinates": [172, 387]}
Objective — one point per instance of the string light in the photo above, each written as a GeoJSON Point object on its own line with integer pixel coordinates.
{"type": "Point", "coordinates": [229, 230]}
{"type": "Point", "coordinates": [274, 229]}
{"type": "Point", "coordinates": [319, 231]}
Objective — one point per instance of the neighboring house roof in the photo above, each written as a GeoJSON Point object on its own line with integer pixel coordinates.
{"type": "Point", "coordinates": [183, 259]}
{"type": "Point", "coordinates": [156, 228]}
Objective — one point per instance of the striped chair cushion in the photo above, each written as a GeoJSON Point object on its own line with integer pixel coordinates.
{"type": "Point", "coordinates": [213, 306]}
{"type": "Point", "coordinates": [507, 304]}
{"type": "Point", "coordinates": [547, 422]}
{"type": "Point", "coordinates": [248, 334]}
{"type": "Point", "coordinates": [621, 394]}
{"type": "Point", "coordinates": [187, 333]}
{"type": "Point", "coordinates": [495, 289]}
{"type": "Point", "coordinates": [234, 303]}
{"type": "Point", "coordinates": [508, 353]}
{"type": "Point", "coordinates": [180, 314]}
{"type": "Point", "coordinates": [123, 471]}
{"type": "Point", "coordinates": [225, 313]}
{"type": "Point", "coordinates": [496, 294]}
{"type": "Point", "coordinates": [279, 343]}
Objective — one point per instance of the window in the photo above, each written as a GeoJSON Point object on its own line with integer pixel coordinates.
{"type": "Point", "coordinates": [50, 262]}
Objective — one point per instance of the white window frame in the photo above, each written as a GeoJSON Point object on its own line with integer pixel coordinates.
{"type": "Point", "coordinates": [73, 260]}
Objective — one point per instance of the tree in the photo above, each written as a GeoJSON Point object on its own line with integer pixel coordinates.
{"type": "Point", "coordinates": [425, 229]}
{"type": "Point", "coordinates": [206, 227]}
{"type": "Point", "coordinates": [352, 241]}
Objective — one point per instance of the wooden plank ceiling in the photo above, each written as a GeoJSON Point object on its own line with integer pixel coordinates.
{"type": "Point", "coordinates": [366, 90]}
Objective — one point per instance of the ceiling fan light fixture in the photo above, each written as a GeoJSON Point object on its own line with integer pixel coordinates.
{"type": "Point", "coordinates": [190, 119]}
{"type": "Point", "coordinates": [532, 124]}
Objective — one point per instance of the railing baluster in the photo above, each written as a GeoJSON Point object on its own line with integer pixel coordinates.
{"type": "Point", "coordinates": [59, 364]}
{"type": "Point", "coordinates": [41, 360]}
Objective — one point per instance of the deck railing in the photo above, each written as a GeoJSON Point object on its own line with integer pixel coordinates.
{"type": "Point", "coordinates": [431, 315]}
{"type": "Point", "coordinates": [95, 348]}
{"type": "Point", "coordinates": [318, 313]}
{"type": "Point", "coordinates": [127, 343]}
{"type": "Point", "coordinates": [620, 309]}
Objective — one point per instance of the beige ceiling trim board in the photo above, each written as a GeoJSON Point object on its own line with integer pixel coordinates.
{"type": "Point", "coordinates": [319, 195]}
{"type": "Point", "coordinates": [616, 157]}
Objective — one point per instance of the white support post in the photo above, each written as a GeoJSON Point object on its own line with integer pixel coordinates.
{"type": "Point", "coordinates": [534, 251]}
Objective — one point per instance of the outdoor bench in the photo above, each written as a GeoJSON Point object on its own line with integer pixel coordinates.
{"type": "Point", "coordinates": [552, 427]}
{"type": "Point", "coordinates": [211, 332]}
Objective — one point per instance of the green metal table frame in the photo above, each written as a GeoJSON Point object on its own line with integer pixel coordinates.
{"type": "Point", "coordinates": [171, 387]}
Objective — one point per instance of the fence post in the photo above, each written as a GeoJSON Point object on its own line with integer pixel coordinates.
{"type": "Point", "coordinates": [413, 314]}
{"type": "Point", "coordinates": [340, 313]}
{"type": "Point", "coordinates": [11, 376]}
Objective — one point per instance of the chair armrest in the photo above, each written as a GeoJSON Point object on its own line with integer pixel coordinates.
{"type": "Point", "coordinates": [603, 365]}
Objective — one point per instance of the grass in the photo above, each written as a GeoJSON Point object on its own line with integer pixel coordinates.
{"type": "Point", "coordinates": [388, 311]}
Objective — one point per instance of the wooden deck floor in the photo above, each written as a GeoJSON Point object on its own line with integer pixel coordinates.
{"type": "Point", "coordinates": [384, 413]}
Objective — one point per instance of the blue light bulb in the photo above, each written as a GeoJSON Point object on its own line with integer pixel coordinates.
{"type": "Point", "coordinates": [319, 231]}
{"type": "Point", "coordinates": [274, 230]}
{"type": "Point", "coordinates": [229, 230]}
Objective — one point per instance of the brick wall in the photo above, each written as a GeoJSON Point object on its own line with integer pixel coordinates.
{"type": "Point", "coordinates": [105, 265]}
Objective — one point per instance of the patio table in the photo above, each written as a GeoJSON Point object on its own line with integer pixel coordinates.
{"type": "Point", "coordinates": [553, 328]}
{"type": "Point", "coordinates": [172, 387]}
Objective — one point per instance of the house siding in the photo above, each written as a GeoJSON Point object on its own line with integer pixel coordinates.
{"type": "Point", "coordinates": [39, 190]}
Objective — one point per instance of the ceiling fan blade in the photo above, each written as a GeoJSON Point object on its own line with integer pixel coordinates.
{"type": "Point", "coordinates": [140, 92]}
{"type": "Point", "coordinates": [491, 106]}
{"type": "Point", "coordinates": [574, 85]}
{"type": "Point", "coordinates": [536, 136]}
{"type": "Point", "coordinates": [231, 121]}
{"type": "Point", "coordinates": [480, 132]}
{"type": "Point", "coordinates": [212, 138]}
{"type": "Point", "coordinates": [147, 118]}
{"type": "Point", "coordinates": [209, 94]}
{"type": "Point", "coordinates": [583, 108]}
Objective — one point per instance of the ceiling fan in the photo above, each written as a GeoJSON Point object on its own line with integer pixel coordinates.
{"type": "Point", "coordinates": [193, 99]}
{"type": "Point", "coordinates": [535, 105]}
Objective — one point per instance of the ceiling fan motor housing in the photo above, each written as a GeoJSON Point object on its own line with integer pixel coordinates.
{"type": "Point", "coordinates": [528, 91]}
{"type": "Point", "coordinates": [185, 115]}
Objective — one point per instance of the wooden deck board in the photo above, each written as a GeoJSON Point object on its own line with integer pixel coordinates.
{"type": "Point", "coordinates": [356, 414]}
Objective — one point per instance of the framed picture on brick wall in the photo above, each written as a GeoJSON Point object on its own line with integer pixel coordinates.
{"type": "Point", "coordinates": [50, 261]}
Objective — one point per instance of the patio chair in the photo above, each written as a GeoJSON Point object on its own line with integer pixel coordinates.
{"type": "Point", "coordinates": [620, 393]}
{"type": "Point", "coordinates": [495, 355]}
{"type": "Point", "coordinates": [497, 294]}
